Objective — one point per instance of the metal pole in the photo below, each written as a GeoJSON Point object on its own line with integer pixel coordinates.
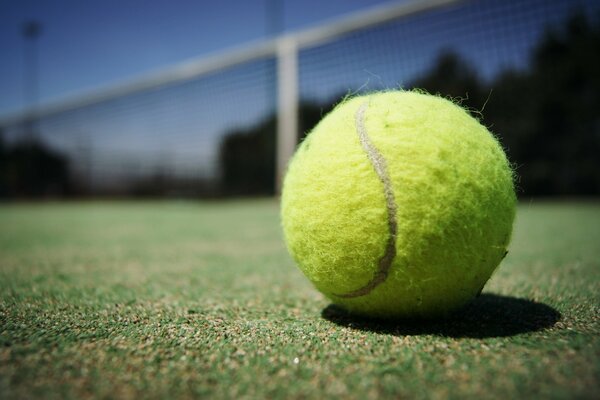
{"type": "Point", "coordinates": [287, 105]}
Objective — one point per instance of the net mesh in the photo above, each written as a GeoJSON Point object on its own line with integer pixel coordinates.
{"type": "Point", "coordinates": [214, 134]}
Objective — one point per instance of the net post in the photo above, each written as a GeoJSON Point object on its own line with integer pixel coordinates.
{"type": "Point", "coordinates": [287, 106]}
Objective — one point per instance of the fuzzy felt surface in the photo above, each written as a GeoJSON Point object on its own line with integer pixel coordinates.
{"type": "Point", "coordinates": [454, 205]}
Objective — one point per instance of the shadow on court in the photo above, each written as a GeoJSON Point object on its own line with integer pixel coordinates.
{"type": "Point", "coordinates": [487, 316]}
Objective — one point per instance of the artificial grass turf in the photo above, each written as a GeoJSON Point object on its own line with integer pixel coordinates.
{"type": "Point", "coordinates": [184, 299]}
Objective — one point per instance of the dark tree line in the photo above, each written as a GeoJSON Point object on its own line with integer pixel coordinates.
{"type": "Point", "coordinates": [29, 169]}
{"type": "Point", "coordinates": [547, 117]}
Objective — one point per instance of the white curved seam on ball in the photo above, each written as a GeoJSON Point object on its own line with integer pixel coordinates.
{"type": "Point", "coordinates": [380, 166]}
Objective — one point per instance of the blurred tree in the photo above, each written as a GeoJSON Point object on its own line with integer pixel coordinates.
{"type": "Point", "coordinates": [549, 116]}
{"type": "Point", "coordinates": [3, 177]}
{"type": "Point", "coordinates": [247, 160]}
{"type": "Point", "coordinates": [29, 169]}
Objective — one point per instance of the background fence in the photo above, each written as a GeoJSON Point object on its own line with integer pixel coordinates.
{"type": "Point", "coordinates": [227, 125]}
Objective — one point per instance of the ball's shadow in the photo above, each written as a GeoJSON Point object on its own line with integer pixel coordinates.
{"type": "Point", "coordinates": [487, 316]}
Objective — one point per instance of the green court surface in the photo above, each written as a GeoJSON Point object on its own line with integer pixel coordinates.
{"type": "Point", "coordinates": [201, 299]}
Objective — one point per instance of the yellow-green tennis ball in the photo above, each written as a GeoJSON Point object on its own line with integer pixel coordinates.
{"type": "Point", "coordinates": [398, 204]}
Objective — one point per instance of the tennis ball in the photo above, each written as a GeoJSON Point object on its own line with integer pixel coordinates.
{"type": "Point", "coordinates": [398, 204]}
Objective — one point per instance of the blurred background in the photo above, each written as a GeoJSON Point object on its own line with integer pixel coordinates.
{"type": "Point", "coordinates": [208, 99]}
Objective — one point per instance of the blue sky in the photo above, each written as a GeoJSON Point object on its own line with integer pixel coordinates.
{"type": "Point", "coordinates": [91, 43]}
{"type": "Point", "coordinates": [88, 44]}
